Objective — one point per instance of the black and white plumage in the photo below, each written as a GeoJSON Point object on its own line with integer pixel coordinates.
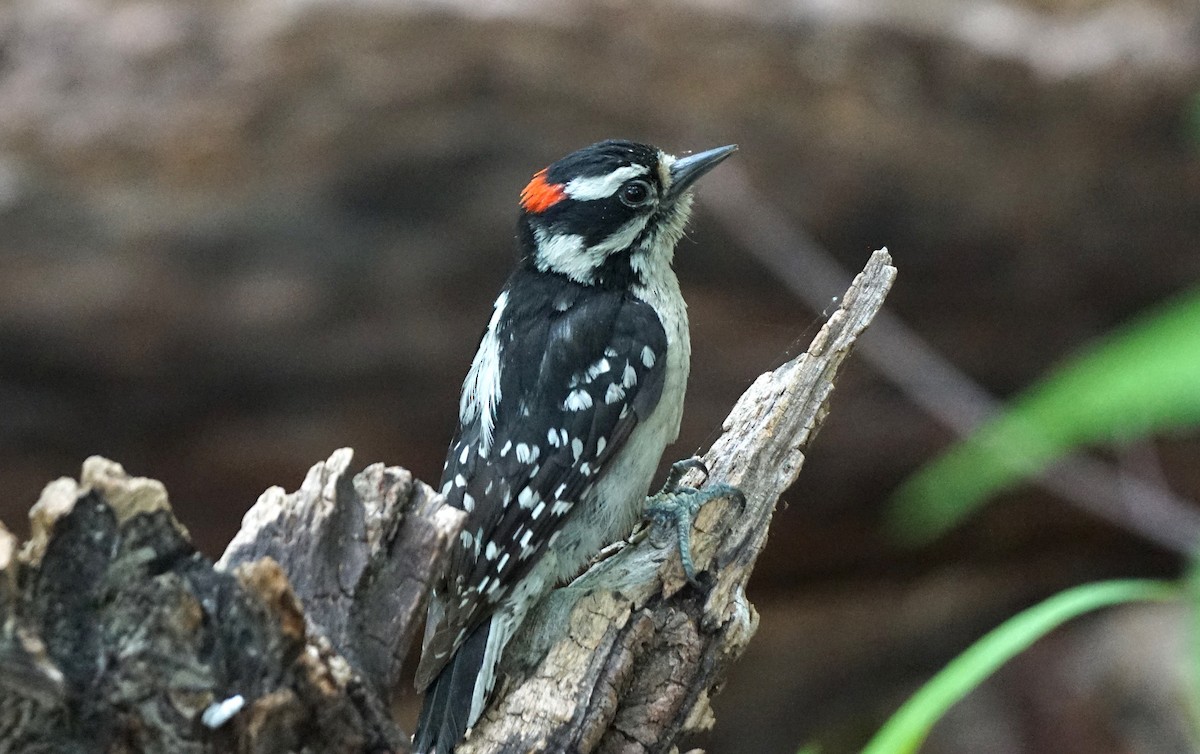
{"type": "Point", "coordinates": [576, 389]}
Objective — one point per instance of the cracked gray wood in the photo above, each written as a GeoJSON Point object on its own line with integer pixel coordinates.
{"type": "Point", "coordinates": [358, 552]}
{"type": "Point", "coordinates": [117, 636]}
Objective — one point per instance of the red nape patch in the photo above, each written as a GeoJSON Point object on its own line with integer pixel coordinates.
{"type": "Point", "coordinates": [540, 195]}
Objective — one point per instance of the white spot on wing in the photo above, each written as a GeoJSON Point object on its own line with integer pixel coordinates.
{"type": "Point", "coordinates": [614, 393]}
{"type": "Point", "coordinates": [598, 367]}
{"type": "Point", "coordinates": [647, 356]}
{"type": "Point", "coordinates": [578, 400]}
{"type": "Point", "coordinates": [528, 498]}
{"type": "Point", "coordinates": [525, 454]}
{"type": "Point", "coordinates": [629, 378]}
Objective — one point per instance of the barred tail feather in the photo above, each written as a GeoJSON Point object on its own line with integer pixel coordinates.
{"type": "Point", "coordinates": [446, 712]}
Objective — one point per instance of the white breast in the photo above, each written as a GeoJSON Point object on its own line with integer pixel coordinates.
{"type": "Point", "coordinates": [663, 295]}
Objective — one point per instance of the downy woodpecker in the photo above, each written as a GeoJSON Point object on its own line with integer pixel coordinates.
{"type": "Point", "coordinates": [575, 391]}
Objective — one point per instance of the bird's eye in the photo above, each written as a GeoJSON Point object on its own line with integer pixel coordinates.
{"type": "Point", "coordinates": [635, 193]}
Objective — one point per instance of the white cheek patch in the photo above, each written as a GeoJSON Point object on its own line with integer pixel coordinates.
{"type": "Point", "coordinates": [556, 248]}
{"type": "Point", "coordinates": [602, 186]}
{"type": "Point", "coordinates": [623, 237]}
{"type": "Point", "coordinates": [565, 253]}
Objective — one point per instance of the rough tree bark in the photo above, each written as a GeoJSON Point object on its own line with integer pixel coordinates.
{"type": "Point", "coordinates": [117, 636]}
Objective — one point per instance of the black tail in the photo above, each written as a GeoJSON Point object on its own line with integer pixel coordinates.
{"type": "Point", "coordinates": [444, 714]}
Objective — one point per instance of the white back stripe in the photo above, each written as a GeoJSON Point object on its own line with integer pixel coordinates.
{"type": "Point", "coordinates": [481, 389]}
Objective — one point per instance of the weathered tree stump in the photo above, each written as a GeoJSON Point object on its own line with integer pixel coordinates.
{"type": "Point", "coordinates": [116, 635]}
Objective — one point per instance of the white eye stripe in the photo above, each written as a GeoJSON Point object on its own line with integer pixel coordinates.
{"type": "Point", "coordinates": [602, 186]}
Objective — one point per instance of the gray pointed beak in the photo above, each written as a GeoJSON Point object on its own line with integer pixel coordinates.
{"type": "Point", "coordinates": [686, 170]}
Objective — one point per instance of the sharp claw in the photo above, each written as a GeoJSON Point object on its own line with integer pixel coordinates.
{"type": "Point", "coordinates": [679, 505]}
{"type": "Point", "coordinates": [695, 462]}
{"type": "Point", "coordinates": [679, 468]}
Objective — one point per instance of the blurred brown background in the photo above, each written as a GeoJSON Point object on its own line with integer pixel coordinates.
{"type": "Point", "coordinates": [235, 236]}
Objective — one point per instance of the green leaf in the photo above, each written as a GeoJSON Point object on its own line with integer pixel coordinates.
{"type": "Point", "coordinates": [1144, 378]}
{"type": "Point", "coordinates": [907, 729]}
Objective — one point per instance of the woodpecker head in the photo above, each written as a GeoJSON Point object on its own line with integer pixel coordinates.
{"type": "Point", "coordinates": [610, 213]}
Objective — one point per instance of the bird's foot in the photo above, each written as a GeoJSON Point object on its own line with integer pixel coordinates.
{"type": "Point", "coordinates": [677, 506]}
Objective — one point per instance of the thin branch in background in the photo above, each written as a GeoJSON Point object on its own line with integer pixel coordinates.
{"type": "Point", "coordinates": [929, 380]}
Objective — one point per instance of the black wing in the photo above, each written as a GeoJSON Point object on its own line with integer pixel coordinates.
{"type": "Point", "coordinates": [579, 368]}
